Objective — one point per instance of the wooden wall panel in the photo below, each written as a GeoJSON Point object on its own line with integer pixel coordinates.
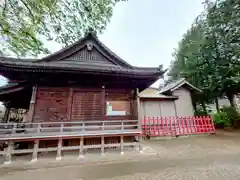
{"type": "Point", "coordinates": [51, 105]}
{"type": "Point", "coordinates": [118, 94]}
{"type": "Point", "coordinates": [77, 104]}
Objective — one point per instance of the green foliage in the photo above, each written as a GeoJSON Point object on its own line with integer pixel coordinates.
{"type": "Point", "coordinates": [26, 24]}
{"type": "Point", "coordinates": [232, 114]}
{"type": "Point", "coordinates": [221, 119]}
{"type": "Point", "coordinates": [202, 112]}
{"type": "Point", "coordinates": [208, 56]}
{"type": "Point", "coordinates": [199, 112]}
{"type": "Point", "coordinates": [227, 117]}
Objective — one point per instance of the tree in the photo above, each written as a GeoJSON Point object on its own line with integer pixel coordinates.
{"type": "Point", "coordinates": [26, 24]}
{"type": "Point", "coordinates": [223, 26]}
{"type": "Point", "coordinates": [208, 54]}
{"type": "Point", "coordinates": [189, 62]}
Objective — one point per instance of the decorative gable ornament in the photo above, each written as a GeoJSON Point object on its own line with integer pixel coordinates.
{"type": "Point", "coordinates": [89, 46]}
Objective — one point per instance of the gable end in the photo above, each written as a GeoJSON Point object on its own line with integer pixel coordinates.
{"type": "Point", "coordinates": [88, 56]}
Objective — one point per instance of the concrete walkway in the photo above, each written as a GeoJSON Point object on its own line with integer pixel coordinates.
{"type": "Point", "coordinates": [209, 157]}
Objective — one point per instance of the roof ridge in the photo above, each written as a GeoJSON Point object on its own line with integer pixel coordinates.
{"type": "Point", "coordinates": [172, 85]}
{"type": "Point", "coordinates": [73, 48]}
{"type": "Point", "coordinates": [88, 36]}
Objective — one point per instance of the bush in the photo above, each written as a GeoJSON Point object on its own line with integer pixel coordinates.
{"type": "Point", "coordinates": [221, 120]}
{"type": "Point", "coordinates": [227, 117]}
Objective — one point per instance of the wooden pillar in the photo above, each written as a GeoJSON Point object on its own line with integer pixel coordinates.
{"type": "Point", "coordinates": [70, 101]}
{"type": "Point", "coordinates": [6, 114]}
{"type": "Point", "coordinates": [8, 153]}
{"type": "Point", "coordinates": [138, 108]}
{"type": "Point", "coordinates": [103, 102]}
{"type": "Point", "coordinates": [122, 145]}
{"type": "Point", "coordinates": [32, 104]}
{"type": "Point", "coordinates": [132, 107]}
{"type": "Point", "coordinates": [175, 107]}
{"type": "Point", "coordinates": [102, 145]}
{"type": "Point", "coordinates": [140, 145]}
{"type": "Point", "coordinates": [81, 148]}
{"type": "Point", "coordinates": [35, 151]}
{"type": "Point", "coordinates": [139, 120]}
{"type": "Point", "coordinates": [59, 149]}
{"type": "Point", "coordinates": [175, 121]}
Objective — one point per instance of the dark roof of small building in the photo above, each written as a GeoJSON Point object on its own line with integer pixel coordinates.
{"type": "Point", "coordinates": [68, 59]}
{"type": "Point", "coordinates": [10, 87]}
{"type": "Point", "coordinates": [155, 95]}
{"type": "Point", "coordinates": [176, 84]}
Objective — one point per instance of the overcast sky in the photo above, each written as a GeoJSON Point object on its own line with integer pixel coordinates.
{"type": "Point", "coordinates": [145, 32]}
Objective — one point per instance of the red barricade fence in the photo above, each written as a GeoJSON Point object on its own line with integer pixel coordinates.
{"type": "Point", "coordinates": [176, 126]}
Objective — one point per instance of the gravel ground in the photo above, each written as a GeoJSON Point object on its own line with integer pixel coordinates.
{"type": "Point", "coordinates": [211, 157]}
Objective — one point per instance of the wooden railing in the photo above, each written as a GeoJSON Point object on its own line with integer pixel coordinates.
{"type": "Point", "coordinates": [52, 129]}
{"type": "Point", "coordinates": [36, 132]}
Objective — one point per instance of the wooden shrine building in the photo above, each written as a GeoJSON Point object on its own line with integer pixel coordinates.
{"type": "Point", "coordinates": [85, 82]}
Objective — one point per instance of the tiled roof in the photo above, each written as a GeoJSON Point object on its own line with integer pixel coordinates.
{"type": "Point", "coordinates": [80, 67]}
{"type": "Point", "coordinates": [176, 84]}
{"type": "Point", "coordinates": [55, 62]}
{"type": "Point", "coordinates": [153, 93]}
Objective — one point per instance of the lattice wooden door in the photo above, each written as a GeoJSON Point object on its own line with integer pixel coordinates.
{"type": "Point", "coordinates": [86, 106]}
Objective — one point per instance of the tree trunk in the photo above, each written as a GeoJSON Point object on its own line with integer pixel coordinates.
{"type": "Point", "coordinates": [230, 97]}
{"type": "Point", "coordinates": [204, 108]}
{"type": "Point", "coordinates": [217, 104]}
